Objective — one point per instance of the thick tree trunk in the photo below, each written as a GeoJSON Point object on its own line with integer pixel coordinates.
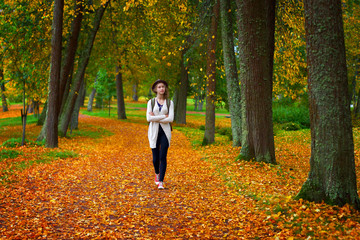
{"type": "Point", "coordinates": [120, 94]}
{"type": "Point", "coordinates": [54, 83]}
{"type": "Point", "coordinates": [209, 135]}
{"type": "Point", "coordinates": [181, 97]}
{"type": "Point", "coordinates": [68, 67]}
{"type": "Point", "coordinates": [232, 80]}
{"type": "Point", "coordinates": [77, 81]}
{"type": "Point", "coordinates": [332, 176]}
{"type": "Point", "coordinates": [2, 88]}
{"type": "Point", "coordinates": [256, 46]}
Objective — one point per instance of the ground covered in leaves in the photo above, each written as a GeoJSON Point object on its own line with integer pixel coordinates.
{"type": "Point", "coordinates": [99, 184]}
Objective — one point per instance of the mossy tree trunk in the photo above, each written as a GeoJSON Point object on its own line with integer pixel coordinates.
{"type": "Point", "coordinates": [332, 176]}
{"type": "Point", "coordinates": [209, 135]}
{"type": "Point", "coordinates": [232, 80]}
{"type": "Point", "coordinates": [65, 115]}
{"type": "Point", "coordinates": [120, 94]}
{"type": "Point", "coordinates": [256, 45]}
{"type": "Point", "coordinates": [54, 83]}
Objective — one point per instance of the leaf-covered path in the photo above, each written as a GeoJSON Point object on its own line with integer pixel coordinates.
{"type": "Point", "coordinates": [109, 192]}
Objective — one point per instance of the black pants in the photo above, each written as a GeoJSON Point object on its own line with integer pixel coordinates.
{"type": "Point", "coordinates": [159, 154]}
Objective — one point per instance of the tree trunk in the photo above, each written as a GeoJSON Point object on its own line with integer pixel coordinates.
{"type": "Point", "coordinates": [83, 61]}
{"type": "Point", "coordinates": [209, 135]}
{"type": "Point", "coordinates": [181, 97]}
{"type": "Point", "coordinates": [232, 80]}
{"type": "Point", "coordinates": [120, 94]}
{"type": "Point", "coordinates": [2, 88]}
{"type": "Point", "coordinates": [54, 83]}
{"type": "Point", "coordinates": [356, 99]}
{"type": "Point", "coordinates": [31, 106]}
{"type": "Point", "coordinates": [256, 45]}
{"type": "Point", "coordinates": [91, 100]}
{"type": "Point", "coordinates": [42, 117]}
{"type": "Point", "coordinates": [201, 103]}
{"type": "Point", "coordinates": [23, 113]}
{"type": "Point", "coordinates": [67, 69]}
{"type": "Point", "coordinates": [332, 176]}
{"type": "Point", "coordinates": [36, 109]}
{"type": "Point", "coordinates": [79, 100]}
{"type": "Point", "coordinates": [135, 95]}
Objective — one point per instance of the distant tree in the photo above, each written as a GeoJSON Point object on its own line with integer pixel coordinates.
{"type": "Point", "coordinates": [183, 86]}
{"type": "Point", "coordinates": [105, 86]}
{"type": "Point", "coordinates": [91, 98]}
{"type": "Point", "coordinates": [332, 176]}
{"type": "Point", "coordinates": [66, 113]}
{"type": "Point", "coordinates": [120, 94]}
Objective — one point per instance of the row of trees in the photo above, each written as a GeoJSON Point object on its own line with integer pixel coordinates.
{"type": "Point", "coordinates": [142, 39]}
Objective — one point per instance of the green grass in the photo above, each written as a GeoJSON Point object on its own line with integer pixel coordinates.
{"type": "Point", "coordinates": [16, 142]}
{"type": "Point", "coordinates": [16, 166]}
{"type": "Point", "coordinates": [190, 106]}
{"type": "Point", "coordinates": [297, 116]}
{"type": "Point", "coordinates": [6, 153]}
{"type": "Point", "coordinates": [15, 121]}
{"type": "Point", "coordinates": [90, 131]}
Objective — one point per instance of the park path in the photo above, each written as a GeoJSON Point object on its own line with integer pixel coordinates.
{"type": "Point", "coordinates": [108, 192]}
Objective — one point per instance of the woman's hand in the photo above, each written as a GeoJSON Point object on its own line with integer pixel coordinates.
{"type": "Point", "coordinates": [151, 114]}
{"type": "Point", "coordinates": [166, 115]}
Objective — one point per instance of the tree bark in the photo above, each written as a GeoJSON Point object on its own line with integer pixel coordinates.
{"type": "Point", "coordinates": [135, 95]}
{"type": "Point", "coordinates": [356, 99]}
{"type": "Point", "coordinates": [2, 88]}
{"type": "Point", "coordinates": [181, 97]}
{"type": "Point", "coordinates": [232, 80]}
{"type": "Point", "coordinates": [79, 100]}
{"type": "Point", "coordinates": [67, 69]}
{"type": "Point", "coordinates": [54, 83]}
{"type": "Point", "coordinates": [77, 81]}
{"type": "Point", "coordinates": [91, 99]}
{"type": "Point", "coordinates": [256, 45]}
{"type": "Point", "coordinates": [120, 94]}
{"type": "Point", "coordinates": [209, 135]}
{"type": "Point", "coordinates": [42, 117]}
{"type": "Point", "coordinates": [332, 176]}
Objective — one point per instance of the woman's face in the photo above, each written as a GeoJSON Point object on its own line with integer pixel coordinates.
{"type": "Point", "coordinates": [160, 88]}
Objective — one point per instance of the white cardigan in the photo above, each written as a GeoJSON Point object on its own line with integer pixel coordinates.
{"type": "Point", "coordinates": [161, 119]}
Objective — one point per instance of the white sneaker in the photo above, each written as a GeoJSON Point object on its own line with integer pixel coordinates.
{"type": "Point", "coordinates": [161, 185]}
{"type": "Point", "coordinates": [157, 179]}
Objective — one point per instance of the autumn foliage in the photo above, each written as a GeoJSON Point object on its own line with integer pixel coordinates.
{"type": "Point", "coordinates": [105, 189]}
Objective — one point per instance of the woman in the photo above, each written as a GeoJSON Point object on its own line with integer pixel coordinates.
{"type": "Point", "coordinates": [160, 113]}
